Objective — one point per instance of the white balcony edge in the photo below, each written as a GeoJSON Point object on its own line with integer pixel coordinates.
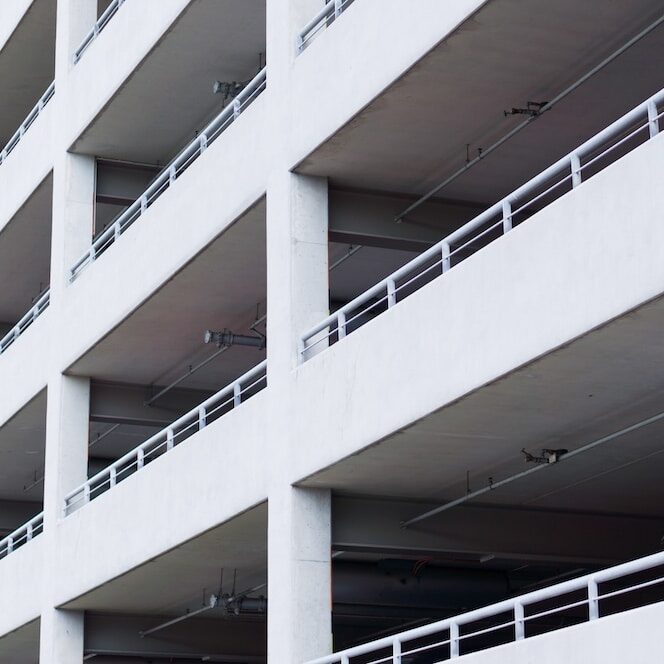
{"type": "Point", "coordinates": [162, 442]}
{"type": "Point", "coordinates": [172, 172]}
{"type": "Point", "coordinates": [26, 124]}
{"type": "Point", "coordinates": [22, 535]}
{"type": "Point", "coordinates": [30, 317]}
{"type": "Point", "coordinates": [500, 216]}
{"type": "Point", "coordinates": [450, 627]}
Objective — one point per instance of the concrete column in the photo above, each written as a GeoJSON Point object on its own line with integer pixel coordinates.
{"type": "Point", "coordinates": [299, 539]}
{"type": "Point", "coordinates": [67, 414]}
{"type": "Point", "coordinates": [297, 263]}
{"type": "Point", "coordinates": [68, 405]}
{"type": "Point", "coordinates": [73, 175]}
{"type": "Point", "coordinates": [299, 621]}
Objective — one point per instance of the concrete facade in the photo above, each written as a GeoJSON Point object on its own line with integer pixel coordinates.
{"type": "Point", "coordinates": [271, 524]}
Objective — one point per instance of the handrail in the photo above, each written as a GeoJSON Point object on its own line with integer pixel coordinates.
{"type": "Point", "coordinates": [329, 13]}
{"type": "Point", "coordinates": [196, 419]}
{"type": "Point", "coordinates": [517, 606]}
{"type": "Point", "coordinates": [25, 125]}
{"type": "Point", "coordinates": [566, 171]}
{"type": "Point", "coordinates": [171, 172]}
{"type": "Point", "coordinates": [25, 322]}
{"type": "Point", "coordinates": [22, 535]}
{"type": "Point", "coordinates": [99, 25]}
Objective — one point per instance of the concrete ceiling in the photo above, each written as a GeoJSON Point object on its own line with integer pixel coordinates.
{"type": "Point", "coordinates": [219, 288]}
{"type": "Point", "coordinates": [415, 134]}
{"type": "Point", "coordinates": [22, 645]}
{"type": "Point", "coordinates": [22, 441]}
{"type": "Point", "coordinates": [25, 254]}
{"type": "Point", "coordinates": [598, 384]}
{"type": "Point", "coordinates": [145, 122]}
{"type": "Point", "coordinates": [192, 567]}
{"type": "Point", "coordinates": [26, 70]}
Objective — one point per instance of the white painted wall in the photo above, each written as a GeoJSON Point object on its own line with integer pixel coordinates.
{"type": "Point", "coordinates": [634, 636]}
{"type": "Point", "coordinates": [573, 252]}
{"type": "Point", "coordinates": [201, 483]}
{"type": "Point", "coordinates": [21, 581]}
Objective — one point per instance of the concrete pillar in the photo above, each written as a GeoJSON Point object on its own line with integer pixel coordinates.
{"type": "Point", "coordinates": [299, 621]}
{"type": "Point", "coordinates": [68, 405]}
{"type": "Point", "coordinates": [73, 175]}
{"type": "Point", "coordinates": [67, 416]}
{"type": "Point", "coordinates": [297, 264]}
{"type": "Point", "coordinates": [299, 522]}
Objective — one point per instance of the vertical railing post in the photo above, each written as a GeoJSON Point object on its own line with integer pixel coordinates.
{"type": "Point", "coordinates": [445, 252]}
{"type": "Point", "coordinates": [169, 439]}
{"type": "Point", "coordinates": [341, 325]}
{"type": "Point", "coordinates": [144, 203]}
{"type": "Point", "coordinates": [593, 600]}
{"type": "Point", "coordinates": [519, 622]}
{"type": "Point", "coordinates": [29, 532]}
{"type": "Point", "coordinates": [202, 143]}
{"type": "Point", "coordinates": [113, 477]}
{"type": "Point", "coordinates": [396, 651]}
{"type": "Point", "coordinates": [575, 165]}
{"type": "Point", "coordinates": [140, 458]}
{"type": "Point", "coordinates": [172, 173]}
{"type": "Point", "coordinates": [653, 120]}
{"type": "Point", "coordinates": [507, 216]}
{"type": "Point", "coordinates": [201, 418]}
{"type": "Point", "coordinates": [345, 659]}
{"type": "Point", "coordinates": [338, 7]}
{"type": "Point", "coordinates": [454, 640]}
{"type": "Point", "coordinates": [10, 544]}
{"type": "Point", "coordinates": [237, 395]}
{"type": "Point", "coordinates": [391, 292]}
{"type": "Point", "coordinates": [237, 108]}
{"type": "Point", "coordinates": [86, 493]}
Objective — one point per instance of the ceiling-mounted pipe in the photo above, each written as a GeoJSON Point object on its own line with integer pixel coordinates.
{"type": "Point", "coordinates": [191, 371]}
{"type": "Point", "coordinates": [492, 486]}
{"type": "Point", "coordinates": [228, 338]}
{"type": "Point", "coordinates": [531, 118]}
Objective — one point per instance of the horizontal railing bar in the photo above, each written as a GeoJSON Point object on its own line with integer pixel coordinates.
{"type": "Point", "coordinates": [34, 311]}
{"type": "Point", "coordinates": [322, 15]}
{"type": "Point", "coordinates": [96, 29]}
{"type": "Point", "coordinates": [29, 120]}
{"type": "Point", "coordinates": [22, 534]}
{"type": "Point", "coordinates": [535, 597]}
{"type": "Point", "coordinates": [560, 166]}
{"type": "Point", "coordinates": [190, 419]}
{"type": "Point", "coordinates": [171, 171]}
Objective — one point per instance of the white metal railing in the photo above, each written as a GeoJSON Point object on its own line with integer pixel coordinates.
{"type": "Point", "coordinates": [639, 125]}
{"type": "Point", "coordinates": [25, 125]}
{"type": "Point", "coordinates": [330, 12]}
{"type": "Point", "coordinates": [172, 172]}
{"type": "Point", "coordinates": [517, 618]}
{"type": "Point", "coordinates": [25, 322]}
{"type": "Point", "coordinates": [101, 23]}
{"type": "Point", "coordinates": [196, 419]}
{"type": "Point", "coordinates": [22, 535]}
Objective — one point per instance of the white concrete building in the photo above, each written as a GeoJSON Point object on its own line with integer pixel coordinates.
{"type": "Point", "coordinates": [331, 332]}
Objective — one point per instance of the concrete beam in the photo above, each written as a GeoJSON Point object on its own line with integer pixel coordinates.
{"type": "Point", "coordinates": [367, 218]}
{"type": "Point", "coordinates": [218, 638]}
{"type": "Point", "coordinates": [125, 404]}
{"type": "Point", "coordinates": [373, 526]}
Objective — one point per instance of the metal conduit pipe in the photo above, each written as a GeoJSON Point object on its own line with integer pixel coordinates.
{"type": "Point", "coordinates": [547, 107]}
{"type": "Point", "coordinates": [228, 338]}
{"type": "Point", "coordinates": [492, 486]}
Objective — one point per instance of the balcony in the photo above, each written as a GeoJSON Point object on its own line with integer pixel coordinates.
{"type": "Point", "coordinates": [169, 175]}
{"type": "Point", "coordinates": [590, 598]}
{"type": "Point", "coordinates": [183, 428]}
{"type": "Point", "coordinates": [633, 129]}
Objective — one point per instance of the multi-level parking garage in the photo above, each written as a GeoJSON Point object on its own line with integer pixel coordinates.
{"type": "Point", "coordinates": [330, 327]}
